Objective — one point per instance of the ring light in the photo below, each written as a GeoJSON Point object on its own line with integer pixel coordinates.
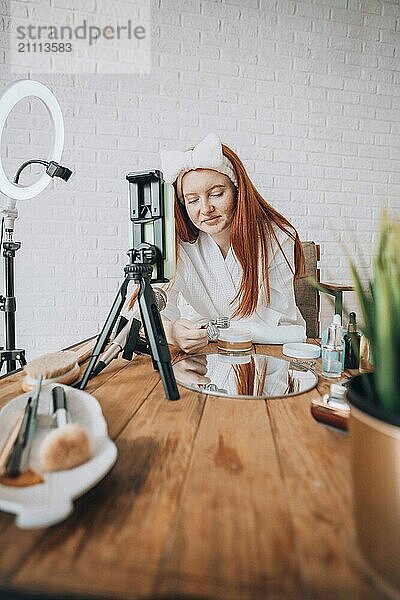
{"type": "Point", "coordinates": [14, 191]}
{"type": "Point", "coordinates": [11, 96]}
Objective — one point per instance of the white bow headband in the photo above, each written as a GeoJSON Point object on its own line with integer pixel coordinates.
{"type": "Point", "coordinates": [206, 155]}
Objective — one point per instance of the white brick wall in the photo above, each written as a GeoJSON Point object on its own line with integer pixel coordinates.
{"type": "Point", "coordinates": [307, 92]}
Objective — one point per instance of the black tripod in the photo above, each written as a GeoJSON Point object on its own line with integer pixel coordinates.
{"type": "Point", "coordinates": [10, 355]}
{"type": "Point", "coordinates": [8, 303]}
{"type": "Point", "coordinates": [139, 270]}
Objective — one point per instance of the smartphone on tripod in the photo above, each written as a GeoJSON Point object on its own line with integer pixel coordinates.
{"type": "Point", "coordinates": [147, 213]}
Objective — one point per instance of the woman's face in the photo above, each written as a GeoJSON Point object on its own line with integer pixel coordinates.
{"type": "Point", "coordinates": [210, 200]}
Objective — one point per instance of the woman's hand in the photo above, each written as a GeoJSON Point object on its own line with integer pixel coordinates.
{"type": "Point", "coordinates": [192, 371]}
{"type": "Point", "coordinates": [188, 337]}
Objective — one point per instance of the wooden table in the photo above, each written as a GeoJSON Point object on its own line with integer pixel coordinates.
{"type": "Point", "coordinates": [210, 498]}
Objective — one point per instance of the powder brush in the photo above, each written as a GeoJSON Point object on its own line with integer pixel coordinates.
{"type": "Point", "coordinates": [67, 445]}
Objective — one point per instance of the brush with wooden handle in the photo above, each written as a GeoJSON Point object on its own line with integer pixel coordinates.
{"type": "Point", "coordinates": [21, 449]}
{"type": "Point", "coordinates": [9, 443]}
{"type": "Point", "coordinates": [60, 367]}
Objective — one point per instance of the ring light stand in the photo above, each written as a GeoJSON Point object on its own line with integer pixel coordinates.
{"type": "Point", "coordinates": [14, 93]}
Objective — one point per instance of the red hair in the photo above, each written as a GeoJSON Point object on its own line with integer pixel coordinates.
{"type": "Point", "coordinates": [244, 376]}
{"type": "Point", "coordinates": [251, 236]}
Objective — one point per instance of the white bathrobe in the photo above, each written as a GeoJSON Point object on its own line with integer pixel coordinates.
{"type": "Point", "coordinates": [206, 283]}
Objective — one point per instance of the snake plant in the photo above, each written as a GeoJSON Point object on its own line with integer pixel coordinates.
{"type": "Point", "coordinates": [379, 301]}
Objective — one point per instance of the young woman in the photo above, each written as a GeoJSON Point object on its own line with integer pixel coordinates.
{"type": "Point", "coordinates": [237, 256]}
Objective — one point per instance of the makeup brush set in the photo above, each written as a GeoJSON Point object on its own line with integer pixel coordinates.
{"type": "Point", "coordinates": [54, 446]}
{"type": "Point", "coordinates": [64, 445]}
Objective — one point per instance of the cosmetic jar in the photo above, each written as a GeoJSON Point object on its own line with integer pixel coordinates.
{"type": "Point", "coordinates": [234, 359]}
{"type": "Point", "coordinates": [233, 340]}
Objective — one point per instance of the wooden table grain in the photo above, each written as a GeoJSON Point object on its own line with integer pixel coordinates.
{"type": "Point", "coordinates": [210, 498]}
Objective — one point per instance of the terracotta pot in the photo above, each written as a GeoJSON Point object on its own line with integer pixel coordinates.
{"type": "Point", "coordinates": [375, 455]}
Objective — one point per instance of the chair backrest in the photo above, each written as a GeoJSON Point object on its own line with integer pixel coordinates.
{"type": "Point", "coordinates": [307, 296]}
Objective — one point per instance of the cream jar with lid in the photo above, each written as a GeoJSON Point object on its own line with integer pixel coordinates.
{"type": "Point", "coordinates": [234, 341]}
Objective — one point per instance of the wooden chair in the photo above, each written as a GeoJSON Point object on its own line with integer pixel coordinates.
{"type": "Point", "coordinates": [307, 296]}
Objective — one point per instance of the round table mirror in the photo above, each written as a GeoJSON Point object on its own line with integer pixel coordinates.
{"type": "Point", "coordinates": [245, 376]}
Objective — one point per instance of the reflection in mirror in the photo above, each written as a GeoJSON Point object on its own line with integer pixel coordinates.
{"type": "Point", "coordinates": [247, 376]}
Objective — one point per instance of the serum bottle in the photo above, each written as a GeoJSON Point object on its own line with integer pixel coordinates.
{"type": "Point", "coordinates": [352, 344]}
{"type": "Point", "coordinates": [332, 350]}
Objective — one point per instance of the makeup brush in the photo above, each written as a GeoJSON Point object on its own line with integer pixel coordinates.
{"type": "Point", "coordinates": [21, 449]}
{"type": "Point", "coordinates": [10, 441]}
{"type": "Point", "coordinates": [68, 445]}
{"type": "Point", "coordinates": [61, 367]}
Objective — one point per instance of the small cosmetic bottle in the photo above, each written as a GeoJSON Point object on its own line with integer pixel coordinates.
{"type": "Point", "coordinates": [352, 344]}
{"type": "Point", "coordinates": [332, 350]}
{"type": "Point", "coordinates": [213, 327]}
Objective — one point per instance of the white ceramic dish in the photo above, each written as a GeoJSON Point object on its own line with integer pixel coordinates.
{"type": "Point", "coordinates": [300, 350]}
{"type": "Point", "coordinates": [50, 502]}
